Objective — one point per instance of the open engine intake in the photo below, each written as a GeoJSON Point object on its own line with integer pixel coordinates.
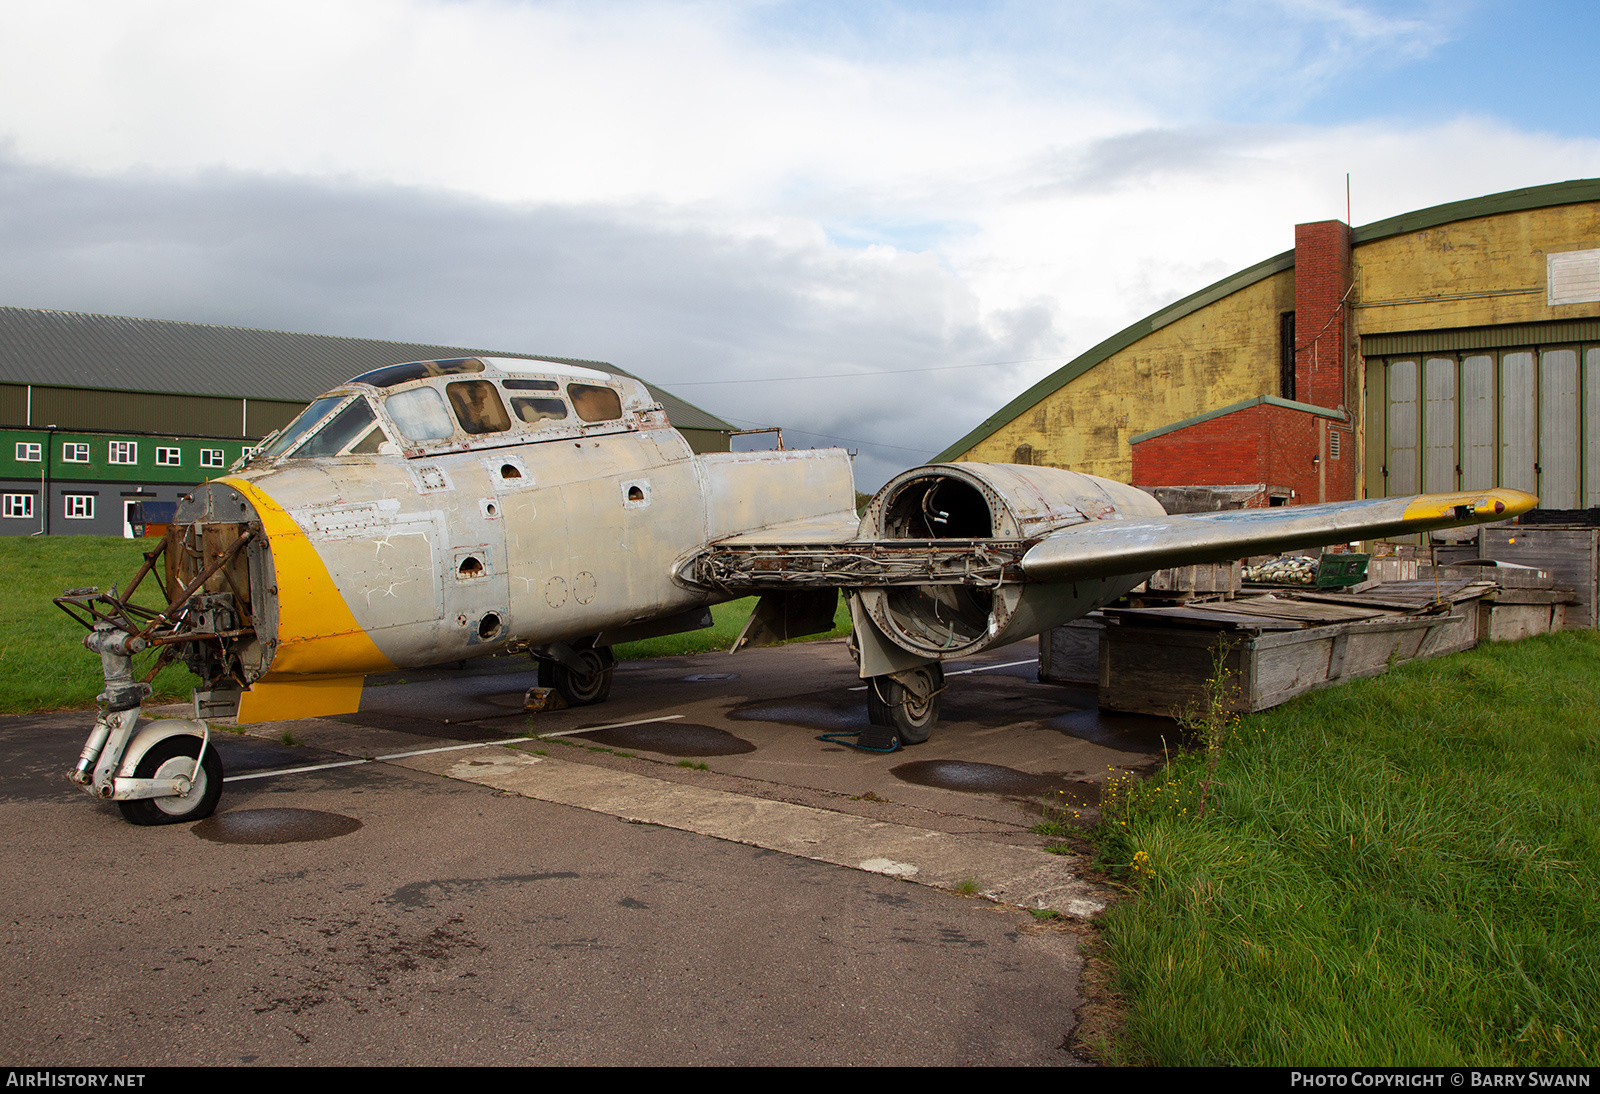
{"type": "Point", "coordinates": [1010, 506]}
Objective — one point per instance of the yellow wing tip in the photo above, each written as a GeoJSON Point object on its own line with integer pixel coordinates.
{"type": "Point", "coordinates": [1500, 503]}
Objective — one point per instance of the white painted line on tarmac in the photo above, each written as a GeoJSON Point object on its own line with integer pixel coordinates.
{"type": "Point", "coordinates": [444, 748]}
{"type": "Point", "coordinates": [980, 668]}
{"type": "Point", "coordinates": [613, 725]}
{"type": "Point", "coordinates": [451, 748]}
{"type": "Point", "coordinates": [292, 771]}
{"type": "Point", "coordinates": [375, 759]}
{"type": "Point", "coordinates": [986, 668]}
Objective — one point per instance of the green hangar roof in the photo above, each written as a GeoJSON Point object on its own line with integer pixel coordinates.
{"type": "Point", "coordinates": [115, 353]}
{"type": "Point", "coordinates": [1511, 201]}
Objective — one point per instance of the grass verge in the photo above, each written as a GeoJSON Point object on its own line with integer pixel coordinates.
{"type": "Point", "coordinates": [43, 665]}
{"type": "Point", "coordinates": [727, 621]}
{"type": "Point", "coordinates": [1397, 871]}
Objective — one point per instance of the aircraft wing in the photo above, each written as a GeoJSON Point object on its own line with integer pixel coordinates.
{"type": "Point", "coordinates": [829, 551]}
{"type": "Point", "coordinates": [1106, 547]}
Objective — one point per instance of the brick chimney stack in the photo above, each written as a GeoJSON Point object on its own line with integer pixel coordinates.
{"type": "Point", "coordinates": [1321, 319]}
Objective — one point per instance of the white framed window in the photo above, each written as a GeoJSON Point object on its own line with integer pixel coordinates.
{"type": "Point", "coordinates": [248, 451]}
{"type": "Point", "coordinates": [124, 451]}
{"type": "Point", "coordinates": [78, 506]}
{"type": "Point", "coordinates": [211, 457]}
{"type": "Point", "coordinates": [75, 452]}
{"type": "Point", "coordinates": [169, 457]}
{"type": "Point", "coordinates": [19, 505]}
{"type": "Point", "coordinates": [28, 452]}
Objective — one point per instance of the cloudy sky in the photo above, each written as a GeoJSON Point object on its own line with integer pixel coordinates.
{"type": "Point", "coordinates": [872, 223]}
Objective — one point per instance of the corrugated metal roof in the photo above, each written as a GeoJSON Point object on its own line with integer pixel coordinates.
{"type": "Point", "coordinates": [117, 353]}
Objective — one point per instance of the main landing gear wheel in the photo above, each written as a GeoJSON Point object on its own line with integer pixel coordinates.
{"type": "Point", "coordinates": [580, 690]}
{"type": "Point", "coordinates": [910, 709]}
{"type": "Point", "coordinates": [167, 759]}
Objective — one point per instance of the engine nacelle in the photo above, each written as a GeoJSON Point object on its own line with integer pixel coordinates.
{"type": "Point", "coordinates": [1005, 502]}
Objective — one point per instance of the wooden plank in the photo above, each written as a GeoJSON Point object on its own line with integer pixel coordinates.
{"type": "Point", "coordinates": [1409, 595]}
{"type": "Point", "coordinates": [1208, 618]}
{"type": "Point", "coordinates": [1304, 611]}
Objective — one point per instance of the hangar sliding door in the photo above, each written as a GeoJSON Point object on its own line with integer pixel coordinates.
{"type": "Point", "coordinates": [1558, 429]}
{"type": "Point", "coordinates": [1518, 415]}
{"type": "Point", "coordinates": [1477, 421]}
{"type": "Point", "coordinates": [1440, 473]}
{"type": "Point", "coordinates": [1522, 417]}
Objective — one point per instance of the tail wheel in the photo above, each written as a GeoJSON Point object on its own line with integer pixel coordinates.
{"type": "Point", "coordinates": [580, 689]}
{"type": "Point", "coordinates": [165, 760]}
{"type": "Point", "coordinates": [910, 709]}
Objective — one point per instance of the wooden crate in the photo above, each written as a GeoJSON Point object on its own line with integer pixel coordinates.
{"type": "Point", "coordinates": [1569, 554]}
{"type": "Point", "coordinates": [1161, 670]}
{"type": "Point", "coordinates": [1392, 569]}
{"type": "Point", "coordinates": [1071, 654]}
{"type": "Point", "coordinates": [1510, 614]}
{"type": "Point", "coordinates": [1212, 577]}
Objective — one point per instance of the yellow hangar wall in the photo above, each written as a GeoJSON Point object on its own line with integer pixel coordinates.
{"type": "Point", "coordinates": [1420, 284]}
{"type": "Point", "coordinates": [1479, 272]}
{"type": "Point", "coordinates": [1223, 353]}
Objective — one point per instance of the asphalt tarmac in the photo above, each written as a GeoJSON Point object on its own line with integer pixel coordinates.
{"type": "Point", "coordinates": [444, 879]}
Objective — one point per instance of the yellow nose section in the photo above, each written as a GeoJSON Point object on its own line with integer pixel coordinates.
{"type": "Point", "coordinates": [322, 653]}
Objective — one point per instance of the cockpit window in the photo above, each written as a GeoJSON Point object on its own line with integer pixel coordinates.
{"type": "Point", "coordinates": [478, 407]}
{"type": "Point", "coordinates": [309, 417]}
{"type": "Point", "coordinates": [355, 423]}
{"type": "Point", "coordinates": [419, 415]}
{"type": "Point", "coordinates": [394, 375]}
{"type": "Point", "coordinates": [531, 385]}
{"type": "Point", "coordinates": [534, 410]}
{"type": "Point", "coordinates": [595, 404]}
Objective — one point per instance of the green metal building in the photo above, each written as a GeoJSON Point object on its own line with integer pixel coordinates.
{"type": "Point", "coordinates": [100, 412]}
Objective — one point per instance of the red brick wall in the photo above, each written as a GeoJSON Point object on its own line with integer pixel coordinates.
{"type": "Point", "coordinates": [1321, 280]}
{"type": "Point", "coordinates": [1263, 443]}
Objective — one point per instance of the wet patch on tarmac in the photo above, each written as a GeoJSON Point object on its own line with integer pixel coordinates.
{"type": "Point", "coordinates": [241, 754]}
{"type": "Point", "coordinates": [275, 826]}
{"type": "Point", "coordinates": [706, 677]}
{"type": "Point", "coordinates": [1143, 733]}
{"type": "Point", "coordinates": [804, 715]}
{"type": "Point", "coordinates": [423, 727]}
{"type": "Point", "coordinates": [670, 739]}
{"type": "Point", "coordinates": [427, 894]}
{"type": "Point", "coordinates": [991, 706]}
{"type": "Point", "coordinates": [976, 778]}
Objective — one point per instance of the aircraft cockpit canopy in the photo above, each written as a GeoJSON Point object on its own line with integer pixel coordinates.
{"type": "Point", "coordinates": [423, 406]}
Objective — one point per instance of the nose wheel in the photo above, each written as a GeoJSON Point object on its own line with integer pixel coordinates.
{"type": "Point", "coordinates": [167, 760]}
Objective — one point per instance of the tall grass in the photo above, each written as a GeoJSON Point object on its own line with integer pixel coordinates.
{"type": "Point", "coordinates": [1402, 870]}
